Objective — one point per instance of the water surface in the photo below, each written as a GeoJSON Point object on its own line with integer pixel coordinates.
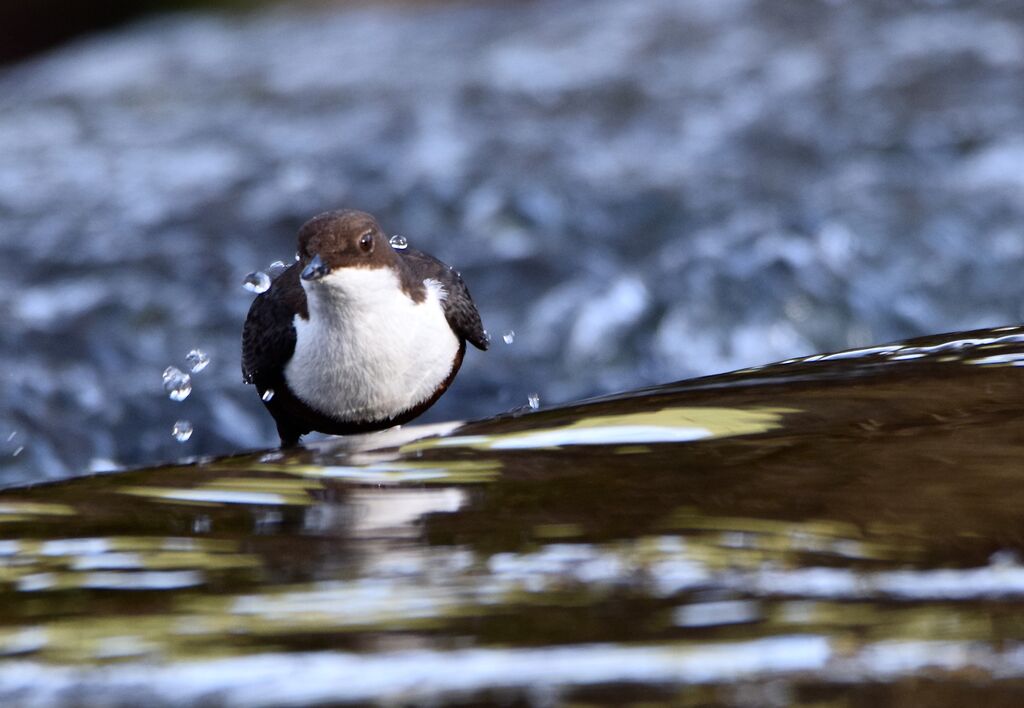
{"type": "Point", "coordinates": [839, 528]}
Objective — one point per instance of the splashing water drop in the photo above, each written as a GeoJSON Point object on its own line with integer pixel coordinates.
{"type": "Point", "coordinates": [11, 436]}
{"type": "Point", "coordinates": [509, 336]}
{"type": "Point", "coordinates": [18, 450]}
{"type": "Point", "coordinates": [297, 257]}
{"type": "Point", "coordinates": [267, 395]}
{"type": "Point", "coordinates": [1004, 557]}
{"type": "Point", "coordinates": [399, 243]}
{"type": "Point", "coordinates": [177, 383]}
{"type": "Point", "coordinates": [256, 282]}
{"type": "Point", "coordinates": [201, 524]}
{"type": "Point", "coordinates": [103, 464]}
{"type": "Point", "coordinates": [182, 431]}
{"type": "Point", "coordinates": [197, 360]}
{"type": "Point", "coordinates": [276, 268]}
{"type": "Point", "coordinates": [534, 401]}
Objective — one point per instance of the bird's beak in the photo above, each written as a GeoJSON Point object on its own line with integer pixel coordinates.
{"type": "Point", "coordinates": [315, 270]}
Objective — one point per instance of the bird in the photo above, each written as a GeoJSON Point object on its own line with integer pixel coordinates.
{"type": "Point", "coordinates": [357, 334]}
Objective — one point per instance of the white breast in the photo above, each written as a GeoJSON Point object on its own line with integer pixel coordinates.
{"type": "Point", "coordinates": [367, 351]}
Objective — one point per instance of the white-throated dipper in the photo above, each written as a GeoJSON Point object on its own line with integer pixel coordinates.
{"type": "Point", "coordinates": [356, 335]}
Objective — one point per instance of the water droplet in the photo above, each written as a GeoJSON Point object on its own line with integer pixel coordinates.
{"type": "Point", "coordinates": [267, 395]}
{"type": "Point", "coordinates": [104, 464]}
{"type": "Point", "coordinates": [197, 360]}
{"type": "Point", "coordinates": [509, 336]}
{"type": "Point", "coordinates": [534, 400]}
{"type": "Point", "coordinates": [11, 436]}
{"type": "Point", "coordinates": [399, 243]}
{"type": "Point", "coordinates": [276, 268]}
{"type": "Point", "coordinates": [201, 524]}
{"type": "Point", "coordinates": [177, 383]}
{"type": "Point", "coordinates": [297, 257]}
{"type": "Point", "coordinates": [1004, 557]}
{"type": "Point", "coordinates": [182, 430]}
{"type": "Point", "coordinates": [18, 450]}
{"type": "Point", "coordinates": [256, 282]}
{"type": "Point", "coordinates": [265, 520]}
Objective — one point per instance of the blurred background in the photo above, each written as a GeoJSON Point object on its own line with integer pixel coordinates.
{"type": "Point", "coordinates": [640, 191]}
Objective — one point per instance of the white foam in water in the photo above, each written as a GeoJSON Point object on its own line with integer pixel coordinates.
{"type": "Point", "coordinates": [509, 336]}
{"type": "Point", "coordinates": [108, 561]}
{"type": "Point", "coordinates": [75, 546]}
{"type": "Point", "coordinates": [24, 641]}
{"type": "Point", "coordinates": [712, 614]}
{"type": "Point", "coordinates": [599, 435]}
{"type": "Point", "coordinates": [256, 282]}
{"type": "Point", "coordinates": [273, 679]}
{"type": "Point", "coordinates": [858, 353]}
{"type": "Point", "coordinates": [182, 430]}
{"type": "Point", "coordinates": [959, 344]}
{"type": "Point", "coordinates": [142, 580]}
{"type": "Point", "coordinates": [177, 383]}
{"type": "Point", "coordinates": [981, 583]}
{"type": "Point", "coordinates": [1013, 359]}
{"type": "Point", "coordinates": [222, 496]}
{"type": "Point", "coordinates": [399, 243]}
{"type": "Point", "coordinates": [36, 582]}
{"type": "Point", "coordinates": [197, 360]}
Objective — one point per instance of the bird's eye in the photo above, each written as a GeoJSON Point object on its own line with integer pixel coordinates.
{"type": "Point", "coordinates": [366, 242]}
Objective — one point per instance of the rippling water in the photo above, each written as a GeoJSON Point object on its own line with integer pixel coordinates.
{"type": "Point", "coordinates": [641, 191]}
{"type": "Point", "coordinates": [845, 527]}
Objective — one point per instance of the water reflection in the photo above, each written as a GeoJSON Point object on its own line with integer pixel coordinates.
{"type": "Point", "coordinates": [849, 520]}
{"type": "Point", "coordinates": [668, 425]}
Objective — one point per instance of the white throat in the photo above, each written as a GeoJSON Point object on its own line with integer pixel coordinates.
{"type": "Point", "coordinates": [367, 351]}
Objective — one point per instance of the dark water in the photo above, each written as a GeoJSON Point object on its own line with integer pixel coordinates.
{"type": "Point", "coordinates": [642, 191]}
{"type": "Point", "coordinates": [840, 530]}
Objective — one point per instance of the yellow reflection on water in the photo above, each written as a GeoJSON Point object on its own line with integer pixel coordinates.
{"type": "Point", "coordinates": [213, 496]}
{"type": "Point", "coordinates": [668, 425]}
{"type": "Point", "coordinates": [726, 540]}
{"type": "Point", "coordinates": [405, 471]}
{"type": "Point", "coordinates": [119, 563]}
{"type": "Point", "coordinates": [23, 510]}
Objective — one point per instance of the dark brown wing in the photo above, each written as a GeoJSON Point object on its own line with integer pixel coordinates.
{"type": "Point", "coordinates": [268, 337]}
{"type": "Point", "coordinates": [459, 309]}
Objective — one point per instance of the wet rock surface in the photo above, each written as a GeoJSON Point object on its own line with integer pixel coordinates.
{"type": "Point", "coordinates": [642, 191]}
{"type": "Point", "coordinates": [844, 527]}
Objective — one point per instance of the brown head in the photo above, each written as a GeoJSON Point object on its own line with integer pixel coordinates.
{"type": "Point", "coordinates": [342, 239]}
